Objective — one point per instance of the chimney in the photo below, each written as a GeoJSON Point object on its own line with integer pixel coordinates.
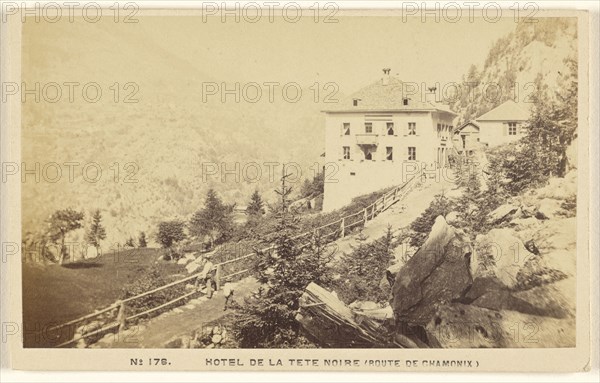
{"type": "Point", "coordinates": [386, 76]}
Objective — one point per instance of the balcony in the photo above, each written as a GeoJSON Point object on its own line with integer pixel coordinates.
{"type": "Point", "coordinates": [367, 139]}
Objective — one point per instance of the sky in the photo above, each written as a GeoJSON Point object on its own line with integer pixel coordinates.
{"type": "Point", "coordinates": [350, 53]}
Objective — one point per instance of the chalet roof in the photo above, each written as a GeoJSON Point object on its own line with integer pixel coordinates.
{"type": "Point", "coordinates": [508, 111]}
{"type": "Point", "coordinates": [385, 97]}
{"type": "Point", "coordinates": [458, 129]}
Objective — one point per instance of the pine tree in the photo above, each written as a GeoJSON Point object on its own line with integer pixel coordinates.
{"type": "Point", "coordinates": [256, 206]}
{"type": "Point", "coordinates": [214, 220]}
{"type": "Point", "coordinates": [97, 232]}
{"type": "Point", "coordinates": [269, 321]}
{"type": "Point", "coordinates": [364, 268]}
{"type": "Point", "coordinates": [142, 242]}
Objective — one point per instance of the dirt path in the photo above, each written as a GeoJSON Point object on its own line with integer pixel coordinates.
{"type": "Point", "coordinates": [400, 214]}
{"type": "Point", "coordinates": [182, 320]}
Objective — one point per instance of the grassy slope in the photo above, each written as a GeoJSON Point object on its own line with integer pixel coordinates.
{"type": "Point", "coordinates": [56, 294]}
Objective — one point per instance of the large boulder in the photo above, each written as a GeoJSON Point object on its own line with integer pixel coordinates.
{"type": "Point", "coordinates": [559, 188]}
{"type": "Point", "coordinates": [549, 208]}
{"type": "Point", "coordinates": [503, 213]}
{"type": "Point", "coordinates": [437, 273]}
{"type": "Point", "coordinates": [500, 254]}
{"type": "Point", "coordinates": [553, 300]}
{"type": "Point", "coordinates": [467, 326]}
{"type": "Point", "coordinates": [491, 293]}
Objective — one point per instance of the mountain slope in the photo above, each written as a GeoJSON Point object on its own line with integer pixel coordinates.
{"type": "Point", "coordinates": [161, 141]}
{"type": "Point", "coordinates": [533, 52]}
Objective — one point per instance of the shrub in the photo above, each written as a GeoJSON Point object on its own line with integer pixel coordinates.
{"type": "Point", "coordinates": [130, 242]}
{"type": "Point", "coordinates": [475, 205]}
{"type": "Point", "coordinates": [363, 270]}
{"type": "Point", "coordinates": [152, 280]}
{"type": "Point", "coordinates": [170, 233]}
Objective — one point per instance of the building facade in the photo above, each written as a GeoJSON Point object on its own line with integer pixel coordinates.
{"type": "Point", "coordinates": [377, 137]}
{"type": "Point", "coordinates": [503, 124]}
{"type": "Point", "coordinates": [466, 138]}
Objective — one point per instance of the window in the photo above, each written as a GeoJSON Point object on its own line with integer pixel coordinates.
{"type": "Point", "coordinates": [390, 128]}
{"type": "Point", "coordinates": [405, 101]}
{"type": "Point", "coordinates": [439, 130]}
{"type": "Point", "coordinates": [389, 153]}
{"type": "Point", "coordinates": [412, 153]}
{"type": "Point", "coordinates": [346, 129]}
{"type": "Point", "coordinates": [346, 152]}
{"type": "Point", "coordinates": [412, 128]}
{"type": "Point", "coordinates": [368, 127]}
{"type": "Point", "coordinates": [512, 128]}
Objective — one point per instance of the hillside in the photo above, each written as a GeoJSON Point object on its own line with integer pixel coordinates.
{"type": "Point", "coordinates": [168, 134]}
{"type": "Point", "coordinates": [517, 60]}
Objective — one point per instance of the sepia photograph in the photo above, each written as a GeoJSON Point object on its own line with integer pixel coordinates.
{"type": "Point", "coordinates": [253, 182]}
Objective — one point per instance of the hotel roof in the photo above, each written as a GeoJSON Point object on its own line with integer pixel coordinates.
{"type": "Point", "coordinates": [386, 95]}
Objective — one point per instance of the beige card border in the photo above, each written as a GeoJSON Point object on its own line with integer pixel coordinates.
{"type": "Point", "coordinates": [487, 360]}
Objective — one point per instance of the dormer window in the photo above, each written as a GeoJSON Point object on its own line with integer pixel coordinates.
{"type": "Point", "coordinates": [405, 101]}
{"type": "Point", "coordinates": [355, 101]}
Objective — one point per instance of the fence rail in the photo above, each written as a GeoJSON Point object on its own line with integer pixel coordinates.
{"type": "Point", "coordinates": [340, 227]}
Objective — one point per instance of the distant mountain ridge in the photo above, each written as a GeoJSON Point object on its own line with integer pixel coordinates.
{"type": "Point", "coordinates": [161, 142]}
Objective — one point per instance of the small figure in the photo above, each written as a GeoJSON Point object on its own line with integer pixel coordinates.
{"type": "Point", "coordinates": [207, 276]}
{"type": "Point", "coordinates": [228, 293]}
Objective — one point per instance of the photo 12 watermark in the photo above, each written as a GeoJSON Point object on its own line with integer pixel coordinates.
{"type": "Point", "coordinates": [71, 11]}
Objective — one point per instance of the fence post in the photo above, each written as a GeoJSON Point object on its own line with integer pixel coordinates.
{"type": "Point", "coordinates": [122, 316]}
{"type": "Point", "coordinates": [343, 228]}
{"type": "Point", "coordinates": [218, 277]}
{"type": "Point", "coordinates": [366, 216]}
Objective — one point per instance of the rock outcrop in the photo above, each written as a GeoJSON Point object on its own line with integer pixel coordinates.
{"type": "Point", "coordinates": [503, 213]}
{"type": "Point", "coordinates": [458, 325]}
{"type": "Point", "coordinates": [500, 254]}
{"type": "Point", "coordinates": [439, 272]}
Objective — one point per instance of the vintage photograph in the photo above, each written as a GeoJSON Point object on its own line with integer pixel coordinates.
{"type": "Point", "coordinates": [312, 179]}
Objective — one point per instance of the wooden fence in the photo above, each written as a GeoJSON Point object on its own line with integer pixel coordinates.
{"type": "Point", "coordinates": [117, 315]}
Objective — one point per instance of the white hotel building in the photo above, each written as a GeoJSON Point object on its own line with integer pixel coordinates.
{"type": "Point", "coordinates": [376, 135]}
